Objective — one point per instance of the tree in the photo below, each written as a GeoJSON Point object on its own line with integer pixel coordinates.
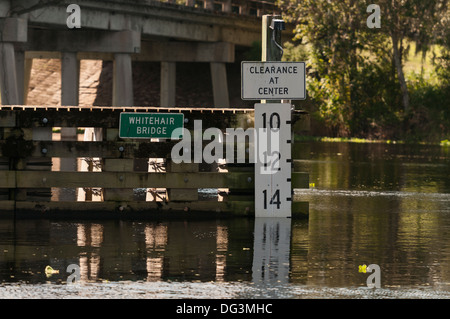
{"type": "Point", "coordinates": [413, 19]}
{"type": "Point", "coordinates": [346, 54]}
{"type": "Point", "coordinates": [334, 33]}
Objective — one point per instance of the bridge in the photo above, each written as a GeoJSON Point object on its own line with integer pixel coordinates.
{"type": "Point", "coordinates": [123, 32]}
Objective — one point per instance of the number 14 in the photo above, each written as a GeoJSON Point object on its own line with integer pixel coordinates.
{"type": "Point", "coordinates": [275, 200]}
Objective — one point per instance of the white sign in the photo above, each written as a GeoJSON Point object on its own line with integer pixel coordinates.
{"type": "Point", "coordinates": [273, 191]}
{"type": "Point", "coordinates": [273, 81]}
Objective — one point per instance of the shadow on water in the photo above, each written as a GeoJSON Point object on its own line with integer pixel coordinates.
{"type": "Point", "coordinates": [372, 204]}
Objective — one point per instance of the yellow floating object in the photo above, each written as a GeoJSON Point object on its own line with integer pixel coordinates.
{"type": "Point", "coordinates": [50, 271]}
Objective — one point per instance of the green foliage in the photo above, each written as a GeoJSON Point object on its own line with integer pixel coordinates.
{"type": "Point", "coordinates": [356, 79]}
{"type": "Point", "coordinates": [430, 117]}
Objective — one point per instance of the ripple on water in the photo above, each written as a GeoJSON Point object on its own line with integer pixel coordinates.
{"type": "Point", "coordinates": [210, 290]}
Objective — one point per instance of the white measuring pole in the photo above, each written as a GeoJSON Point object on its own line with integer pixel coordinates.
{"type": "Point", "coordinates": [273, 192]}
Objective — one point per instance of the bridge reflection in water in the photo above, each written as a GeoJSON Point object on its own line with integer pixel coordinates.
{"type": "Point", "coordinates": [211, 250]}
{"type": "Point", "coordinates": [265, 253]}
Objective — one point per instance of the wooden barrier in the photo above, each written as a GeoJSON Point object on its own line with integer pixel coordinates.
{"type": "Point", "coordinates": [25, 158]}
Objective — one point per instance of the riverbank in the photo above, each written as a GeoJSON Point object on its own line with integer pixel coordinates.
{"type": "Point", "coordinates": [307, 138]}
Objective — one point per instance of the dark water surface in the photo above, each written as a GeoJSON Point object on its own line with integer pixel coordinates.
{"type": "Point", "coordinates": [372, 204]}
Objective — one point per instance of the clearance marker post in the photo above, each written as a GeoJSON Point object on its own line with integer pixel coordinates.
{"type": "Point", "coordinates": [273, 82]}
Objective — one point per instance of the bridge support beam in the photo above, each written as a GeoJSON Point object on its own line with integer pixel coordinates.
{"type": "Point", "coordinates": [227, 6]}
{"type": "Point", "coordinates": [70, 79]}
{"type": "Point", "coordinates": [168, 84]}
{"type": "Point", "coordinates": [11, 30]}
{"type": "Point", "coordinates": [70, 84]}
{"type": "Point", "coordinates": [8, 75]}
{"type": "Point", "coordinates": [209, 4]}
{"type": "Point", "coordinates": [220, 84]}
{"type": "Point", "coordinates": [122, 80]}
{"type": "Point", "coordinates": [23, 74]}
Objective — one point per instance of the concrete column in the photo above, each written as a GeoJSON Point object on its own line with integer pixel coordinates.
{"type": "Point", "coordinates": [27, 75]}
{"type": "Point", "coordinates": [8, 74]}
{"type": "Point", "coordinates": [70, 83]}
{"type": "Point", "coordinates": [122, 80]}
{"type": "Point", "coordinates": [5, 7]}
{"type": "Point", "coordinates": [190, 3]}
{"type": "Point", "coordinates": [244, 8]}
{"type": "Point", "coordinates": [168, 84]}
{"type": "Point", "coordinates": [23, 73]}
{"type": "Point", "coordinates": [70, 79]}
{"type": "Point", "coordinates": [11, 30]}
{"type": "Point", "coordinates": [20, 75]}
{"type": "Point", "coordinates": [209, 4]}
{"type": "Point", "coordinates": [227, 6]}
{"type": "Point", "coordinates": [122, 96]}
{"type": "Point", "coordinates": [220, 84]}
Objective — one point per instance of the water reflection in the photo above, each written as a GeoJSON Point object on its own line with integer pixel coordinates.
{"type": "Point", "coordinates": [221, 255]}
{"type": "Point", "coordinates": [365, 209]}
{"type": "Point", "coordinates": [155, 243]}
{"type": "Point", "coordinates": [411, 248]}
{"type": "Point", "coordinates": [271, 250]}
{"type": "Point", "coordinates": [89, 235]}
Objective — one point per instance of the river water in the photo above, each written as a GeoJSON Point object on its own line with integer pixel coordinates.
{"type": "Point", "coordinates": [383, 204]}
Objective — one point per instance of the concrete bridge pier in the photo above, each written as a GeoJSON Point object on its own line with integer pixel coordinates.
{"type": "Point", "coordinates": [70, 84]}
{"type": "Point", "coordinates": [209, 4]}
{"type": "Point", "coordinates": [220, 84]}
{"type": "Point", "coordinates": [226, 6]}
{"type": "Point", "coordinates": [23, 73]}
{"type": "Point", "coordinates": [12, 30]}
{"type": "Point", "coordinates": [168, 84]}
{"type": "Point", "coordinates": [122, 80]}
{"type": "Point", "coordinates": [122, 96]}
{"type": "Point", "coordinates": [8, 75]}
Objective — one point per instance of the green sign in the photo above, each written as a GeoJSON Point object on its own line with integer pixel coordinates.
{"type": "Point", "coordinates": [150, 125]}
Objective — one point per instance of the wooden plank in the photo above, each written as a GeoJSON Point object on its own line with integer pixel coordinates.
{"type": "Point", "coordinates": [112, 134]}
{"type": "Point", "coordinates": [4, 163]}
{"type": "Point", "coordinates": [7, 119]}
{"type": "Point", "coordinates": [36, 179]}
{"type": "Point", "coordinates": [7, 208]}
{"type": "Point", "coordinates": [117, 165]}
{"type": "Point", "coordinates": [14, 132]}
{"type": "Point", "coordinates": [182, 194]}
{"type": "Point", "coordinates": [105, 149]}
{"type": "Point", "coordinates": [130, 209]}
{"type": "Point", "coordinates": [108, 117]}
{"type": "Point", "coordinates": [7, 179]}
{"type": "Point", "coordinates": [95, 149]}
